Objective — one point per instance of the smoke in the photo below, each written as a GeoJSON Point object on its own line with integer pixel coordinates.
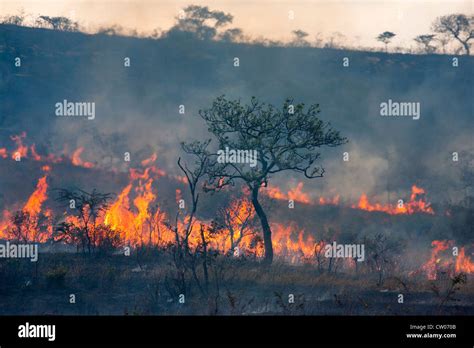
{"type": "Point", "coordinates": [137, 107]}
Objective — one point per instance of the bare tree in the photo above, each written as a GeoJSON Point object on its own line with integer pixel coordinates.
{"type": "Point", "coordinates": [460, 27]}
{"type": "Point", "coordinates": [187, 259]}
{"type": "Point", "coordinates": [237, 219]}
{"type": "Point", "coordinates": [386, 37]}
{"type": "Point", "coordinates": [382, 251]}
{"type": "Point", "coordinates": [425, 42]}
{"type": "Point", "coordinates": [286, 139]}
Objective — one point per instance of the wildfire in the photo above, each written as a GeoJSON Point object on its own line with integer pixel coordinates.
{"type": "Point", "coordinates": [296, 194]}
{"type": "Point", "coordinates": [77, 161]}
{"type": "Point", "coordinates": [136, 217]}
{"type": "Point", "coordinates": [329, 201]}
{"type": "Point", "coordinates": [464, 263]}
{"type": "Point", "coordinates": [24, 151]}
{"type": "Point", "coordinates": [30, 215]}
{"type": "Point", "coordinates": [36, 200]}
{"type": "Point", "coordinates": [417, 204]}
{"type": "Point", "coordinates": [441, 260]}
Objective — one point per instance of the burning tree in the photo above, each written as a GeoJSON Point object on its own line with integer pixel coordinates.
{"type": "Point", "coordinates": [238, 219]}
{"type": "Point", "coordinates": [83, 228]}
{"type": "Point", "coordinates": [286, 139]}
{"type": "Point", "coordinates": [27, 227]}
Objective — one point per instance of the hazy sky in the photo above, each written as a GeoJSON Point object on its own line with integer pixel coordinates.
{"type": "Point", "coordinates": [359, 20]}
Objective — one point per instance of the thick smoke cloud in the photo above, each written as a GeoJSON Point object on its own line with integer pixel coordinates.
{"type": "Point", "coordinates": [137, 106]}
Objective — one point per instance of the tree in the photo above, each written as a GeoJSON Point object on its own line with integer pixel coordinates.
{"type": "Point", "coordinates": [60, 23]}
{"type": "Point", "coordinates": [232, 35]}
{"type": "Point", "coordinates": [300, 38]}
{"type": "Point", "coordinates": [282, 140]}
{"type": "Point", "coordinates": [27, 227]}
{"type": "Point", "coordinates": [236, 218]}
{"type": "Point", "coordinates": [185, 259]}
{"type": "Point", "coordinates": [425, 42]}
{"type": "Point", "coordinates": [87, 208]}
{"type": "Point", "coordinates": [458, 26]}
{"type": "Point", "coordinates": [13, 19]}
{"type": "Point", "coordinates": [443, 41]}
{"type": "Point", "coordinates": [386, 37]}
{"type": "Point", "coordinates": [382, 251]}
{"type": "Point", "coordinates": [201, 22]}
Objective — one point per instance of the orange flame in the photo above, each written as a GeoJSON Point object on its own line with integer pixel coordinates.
{"type": "Point", "coordinates": [415, 205]}
{"type": "Point", "coordinates": [296, 194]}
{"type": "Point", "coordinates": [442, 261]}
{"type": "Point", "coordinates": [33, 207]}
{"type": "Point", "coordinates": [463, 263]}
{"type": "Point", "coordinates": [77, 161]}
{"type": "Point", "coordinates": [21, 150]}
{"type": "Point", "coordinates": [3, 153]}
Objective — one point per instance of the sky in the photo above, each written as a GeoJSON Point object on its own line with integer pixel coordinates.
{"type": "Point", "coordinates": [360, 21]}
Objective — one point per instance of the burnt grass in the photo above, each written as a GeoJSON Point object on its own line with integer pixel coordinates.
{"type": "Point", "coordinates": [149, 285]}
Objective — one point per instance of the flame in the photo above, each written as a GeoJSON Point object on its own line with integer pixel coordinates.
{"type": "Point", "coordinates": [432, 266]}
{"type": "Point", "coordinates": [34, 154]}
{"type": "Point", "coordinates": [21, 150]}
{"type": "Point", "coordinates": [416, 204]}
{"type": "Point", "coordinates": [3, 152]}
{"type": "Point", "coordinates": [463, 263]}
{"type": "Point", "coordinates": [137, 220]}
{"type": "Point", "coordinates": [149, 160]}
{"type": "Point", "coordinates": [77, 161]}
{"type": "Point", "coordinates": [33, 208]}
{"type": "Point", "coordinates": [296, 194]}
{"type": "Point", "coordinates": [329, 201]}
{"type": "Point", "coordinates": [36, 200]}
{"type": "Point", "coordinates": [291, 243]}
{"type": "Point", "coordinates": [440, 260]}
{"type": "Point", "coordinates": [131, 221]}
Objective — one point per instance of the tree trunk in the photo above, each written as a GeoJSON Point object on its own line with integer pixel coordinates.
{"type": "Point", "coordinates": [465, 44]}
{"type": "Point", "coordinates": [466, 47]}
{"type": "Point", "coordinates": [267, 232]}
